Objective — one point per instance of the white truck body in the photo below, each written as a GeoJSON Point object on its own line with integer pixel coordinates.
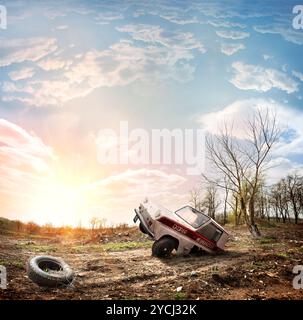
{"type": "Point", "coordinates": [188, 226]}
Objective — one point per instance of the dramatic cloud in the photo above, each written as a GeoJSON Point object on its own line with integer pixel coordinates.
{"type": "Point", "coordinates": [21, 74]}
{"type": "Point", "coordinates": [21, 50]}
{"type": "Point", "coordinates": [19, 147]}
{"type": "Point", "coordinates": [24, 164]}
{"type": "Point", "coordinates": [254, 77]}
{"type": "Point", "coordinates": [289, 121]}
{"type": "Point", "coordinates": [285, 31]}
{"type": "Point", "coordinates": [225, 24]}
{"type": "Point", "coordinates": [155, 34]}
{"type": "Point", "coordinates": [107, 17]}
{"type": "Point", "coordinates": [280, 167]}
{"type": "Point", "coordinates": [231, 34]}
{"type": "Point", "coordinates": [129, 188]}
{"type": "Point", "coordinates": [138, 183]}
{"type": "Point", "coordinates": [170, 13]}
{"type": "Point", "coordinates": [53, 64]}
{"type": "Point", "coordinates": [120, 65]}
{"type": "Point", "coordinates": [231, 48]}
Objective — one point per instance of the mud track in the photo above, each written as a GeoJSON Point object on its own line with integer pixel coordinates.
{"type": "Point", "coordinates": [249, 269]}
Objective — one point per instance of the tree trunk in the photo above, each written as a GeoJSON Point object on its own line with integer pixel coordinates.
{"type": "Point", "coordinates": [253, 228]}
{"type": "Point", "coordinates": [225, 208]}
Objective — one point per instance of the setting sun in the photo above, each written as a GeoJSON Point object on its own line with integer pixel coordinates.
{"type": "Point", "coordinates": [60, 202]}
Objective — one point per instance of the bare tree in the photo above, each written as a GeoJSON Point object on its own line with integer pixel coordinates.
{"type": "Point", "coordinates": [101, 223]}
{"type": "Point", "coordinates": [226, 195]}
{"type": "Point", "coordinates": [32, 228]}
{"type": "Point", "coordinates": [211, 202]}
{"type": "Point", "coordinates": [294, 189]}
{"type": "Point", "coordinates": [195, 198]}
{"type": "Point", "coordinates": [242, 162]}
{"type": "Point", "coordinates": [93, 223]}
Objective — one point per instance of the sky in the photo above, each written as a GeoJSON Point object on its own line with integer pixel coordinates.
{"type": "Point", "coordinates": [71, 69]}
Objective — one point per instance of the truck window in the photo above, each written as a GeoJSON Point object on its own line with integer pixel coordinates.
{"type": "Point", "coordinates": [192, 216]}
{"type": "Point", "coordinates": [211, 232]}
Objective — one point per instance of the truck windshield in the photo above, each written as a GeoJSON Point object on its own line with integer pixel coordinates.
{"type": "Point", "coordinates": [192, 216]}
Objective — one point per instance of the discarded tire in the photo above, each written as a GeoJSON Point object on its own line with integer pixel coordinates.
{"type": "Point", "coordinates": [164, 247]}
{"type": "Point", "coordinates": [47, 271]}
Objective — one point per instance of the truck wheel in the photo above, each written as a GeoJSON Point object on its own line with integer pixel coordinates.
{"type": "Point", "coordinates": [142, 228]}
{"type": "Point", "coordinates": [164, 247]}
{"type": "Point", "coordinates": [49, 271]}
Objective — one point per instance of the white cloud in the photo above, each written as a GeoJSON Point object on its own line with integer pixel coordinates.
{"type": "Point", "coordinates": [231, 48]}
{"type": "Point", "coordinates": [254, 77]}
{"type": "Point", "coordinates": [107, 17]}
{"type": "Point", "coordinates": [24, 163]}
{"type": "Point", "coordinates": [157, 35]}
{"type": "Point", "coordinates": [139, 183]}
{"type": "Point", "coordinates": [53, 64]}
{"type": "Point", "coordinates": [280, 167]}
{"type": "Point", "coordinates": [225, 24]}
{"type": "Point", "coordinates": [289, 120]}
{"type": "Point", "coordinates": [120, 65]}
{"type": "Point", "coordinates": [267, 57]}
{"type": "Point", "coordinates": [298, 75]}
{"type": "Point", "coordinates": [286, 32]}
{"type": "Point", "coordinates": [21, 74]}
{"type": "Point", "coordinates": [170, 13]}
{"type": "Point", "coordinates": [21, 50]}
{"type": "Point", "coordinates": [129, 188]}
{"type": "Point", "coordinates": [231, 34]}
{"type": "Point", "coordinates": [14, 137]}
{"type": "Point", "coordinates": [62, 27]}
{"type": "Point", "coordinates": [236, 113]}
{"type": "Point", "coordinates": [245, 10]}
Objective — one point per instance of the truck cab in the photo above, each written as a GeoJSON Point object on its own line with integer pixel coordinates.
{"type": "Point", "coordinates": [184, 230]}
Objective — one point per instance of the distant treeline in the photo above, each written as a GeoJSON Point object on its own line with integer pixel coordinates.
{"type": "Point", "coordinates": [282, 201]}
{"type": "Point", "coordinates": [8, 226]}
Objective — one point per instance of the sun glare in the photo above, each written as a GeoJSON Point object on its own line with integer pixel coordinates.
{"type": "Point", "coordinates": [60, 202]}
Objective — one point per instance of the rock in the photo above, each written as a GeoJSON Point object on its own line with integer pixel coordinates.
{"type": "Point", "coordinates": [82, 274]}
{"type": "Point", "coordinates": [179, 289]}
{"type": "Point", "coordinates": [194, 274]}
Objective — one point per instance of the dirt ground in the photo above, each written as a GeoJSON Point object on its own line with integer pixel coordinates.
{"type": "Point", "coordinates": [121, 267]}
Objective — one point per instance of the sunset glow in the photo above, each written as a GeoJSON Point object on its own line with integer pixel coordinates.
{"type": "Point", "coordinates": [70, 71]}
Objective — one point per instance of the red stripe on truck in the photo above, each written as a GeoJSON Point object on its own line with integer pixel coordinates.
{"type": "Point", "coordinates": [197, 237]}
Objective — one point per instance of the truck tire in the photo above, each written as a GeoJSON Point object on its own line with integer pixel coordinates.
{"type": "Point", "coordinates": [164, 247]}
{"type": "Point", "coordinates": [47, 271]}
{"type": "Point", "coordinates": [142, 229]}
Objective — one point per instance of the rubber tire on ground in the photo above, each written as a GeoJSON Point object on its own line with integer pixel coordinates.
{"type": "Point", "coordinates": [35, 271]}
{"type": "Point", "coordinates": [195, 249]}
{"type": "Point", "coordinates": [142, 229]}
{"type": "Point", "coordinates": [164, 247]}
